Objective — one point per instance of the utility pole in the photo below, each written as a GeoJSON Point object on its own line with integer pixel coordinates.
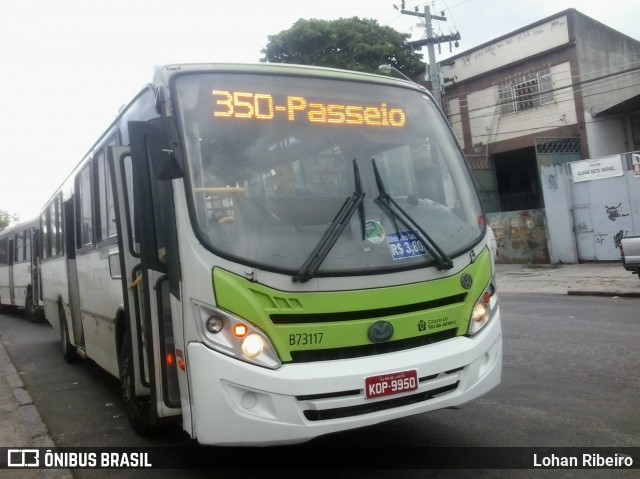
{"type": "Point", "coordinates": [431, 41]}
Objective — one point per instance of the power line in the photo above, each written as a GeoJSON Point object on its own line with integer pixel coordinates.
{"type": "Point", "coordinates": [553, 90]}
{"type": "Point", "coordinates": [458, 4]}
{"type": "Point", "coordinates": [452, 20]}
{"type": "Point", "coordinates": [543, 114]}
{"type": "Point", "coordinates": [557, 74]}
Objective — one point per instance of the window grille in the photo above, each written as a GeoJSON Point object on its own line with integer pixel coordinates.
{"type": "Point", "coordinates": [526, 92]}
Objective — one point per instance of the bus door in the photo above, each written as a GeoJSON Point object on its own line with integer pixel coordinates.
{"type": "Point", "coordinates": [148, 249]}
{"type": "Point", "coordinates": [12, 254]}
{"type": "Point", "coordinates": [74, 313]}
{"type": "Point", "coordinates": [36, 286]}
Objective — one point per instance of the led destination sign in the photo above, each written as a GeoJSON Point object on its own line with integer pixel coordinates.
{"type": "Point", "coordinates": [262, 106]}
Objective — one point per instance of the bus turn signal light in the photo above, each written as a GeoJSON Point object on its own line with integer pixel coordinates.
{"type": "Point", "coordinates": [240, 330]}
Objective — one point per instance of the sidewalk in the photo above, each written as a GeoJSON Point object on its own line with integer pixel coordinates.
{"type": "Point", "coordinates": [20, 422]}
{"type": "Point", "coordinates": [22, 427]}
{"type": "Point", "coordinates": [588, 279]}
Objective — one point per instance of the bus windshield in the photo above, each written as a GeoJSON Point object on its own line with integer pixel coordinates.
{"type": "Point", "coordinates": [271, 164]}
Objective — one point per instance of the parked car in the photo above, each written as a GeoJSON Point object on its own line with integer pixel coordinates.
{"type": "Point", "coordinates": [630, 250]}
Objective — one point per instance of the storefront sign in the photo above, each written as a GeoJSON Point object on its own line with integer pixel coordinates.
{"type": "Point", "coordinates": [597, 169]}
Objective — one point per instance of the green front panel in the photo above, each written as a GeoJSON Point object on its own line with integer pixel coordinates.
{"type": "Point", "coordinates": [335, 311]}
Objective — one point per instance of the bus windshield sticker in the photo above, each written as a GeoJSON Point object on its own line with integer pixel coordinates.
{"type": "Point", "coordinates": [374, 232]}
{"type": "Point", "coordinates": [405, 245]}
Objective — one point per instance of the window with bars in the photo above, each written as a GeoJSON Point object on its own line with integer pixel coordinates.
{"type": "Point", "coordinates": [526, 92]}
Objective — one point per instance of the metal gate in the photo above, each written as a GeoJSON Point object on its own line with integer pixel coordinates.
{"type": "Point", "coordinates": [604, 211]}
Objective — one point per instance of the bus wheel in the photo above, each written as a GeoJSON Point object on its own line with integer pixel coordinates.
{"type": "Point", "coordinates": [138, 407]}
{"type": "Point", "coordinates": [31, 310]}
{"type": "Point", "coordinates": [69, 352]}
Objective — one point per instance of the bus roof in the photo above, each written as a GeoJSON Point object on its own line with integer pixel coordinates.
{"type": "Point", "coordinates": [164, 72]}
{"type": "Point", "coordinates": [31, 223]}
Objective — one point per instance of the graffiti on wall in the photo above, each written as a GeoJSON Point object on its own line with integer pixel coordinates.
{"type": "Point", "coordinates": [613, 212]}
{"type": "Point", "coordinates": [600, 237]}
{"type": "Point", "coordinates": [552, 182]}
{"type": "Point", "coordinates": [520, 236]}
{"type": "Point", "coordinates": [617, 239]}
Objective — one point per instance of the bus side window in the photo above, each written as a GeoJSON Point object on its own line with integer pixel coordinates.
{"type": "Point", "coordinates": [56, 222]}
{"type": "Point", "coordinates": [3, 252]}
{"type": "Point", "coordinates": [19, 247]}
{"type": "Point", "coordinates": [128, 174]}
{"type": "Point", "coordinates": [27, 244]}
{"type": "Point", "coordinates": [51, 230]}
{"type": "Point", "coordinates": [44, 231]}
{"type": "Point", "coordinates": [84, 214]}
{"type": "Point", "coordinates": [105, 198]}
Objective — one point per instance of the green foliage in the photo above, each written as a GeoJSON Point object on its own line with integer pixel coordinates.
{"type": "Point", "coordinates": [6, 219]}
{"type": "Point", "coordinates": [348, 43]}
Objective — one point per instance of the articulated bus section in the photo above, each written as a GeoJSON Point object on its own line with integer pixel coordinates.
{"type": "Point", "coordinates": [19, 263]}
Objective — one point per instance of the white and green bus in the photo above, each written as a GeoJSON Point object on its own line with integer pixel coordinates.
{"type": "Point", "coordinates": [270, 253]}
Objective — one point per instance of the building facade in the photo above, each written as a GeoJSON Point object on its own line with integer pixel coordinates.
{"type": "Point", "coordinates": [529, 104]}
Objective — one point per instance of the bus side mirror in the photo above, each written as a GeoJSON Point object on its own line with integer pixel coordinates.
{"type": "Point", "coordinates": [165, 149]}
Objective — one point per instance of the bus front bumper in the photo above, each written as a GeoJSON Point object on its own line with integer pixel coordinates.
{"type": "Point", "coordinates": [236, 403]}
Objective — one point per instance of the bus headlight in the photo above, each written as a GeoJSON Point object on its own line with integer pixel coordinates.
{"type": "Point", "coordinates": [252, 346]}
{"type": "Point", "coordinates": [483, 310]}
{"type": "Point", "coordinates": [234, 337]}
{"type": "Point", "coordinates": [479, 313]}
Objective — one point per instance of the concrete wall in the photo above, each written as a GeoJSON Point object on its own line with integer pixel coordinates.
{"type": "Point", "coordinates": [504, 51]}
{"type": "Point", "coordinates": [520, 236]}
{"type": "Point", "coordinates": [601, 52]}
{"type": "Point", "coordinates": [605, 136]}
{"type": "Point", "coordinates": [489, 125]}
{"type": "Point", "coordinates": [455, 119]}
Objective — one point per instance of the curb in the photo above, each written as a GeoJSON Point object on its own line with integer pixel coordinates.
{"type": "Point", "coordinates": [608, 294]}
{"type": "Point", "coordinates": [29, 416]}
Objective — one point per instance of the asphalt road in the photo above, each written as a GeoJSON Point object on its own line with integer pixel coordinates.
{"type": "Point", "coordinates": [570, 378]}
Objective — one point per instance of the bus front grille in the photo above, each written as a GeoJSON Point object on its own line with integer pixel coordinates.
{"type": "Point", "coordinates": [368, 313]}
{"type": "Point", "coordinates": [350, 411]}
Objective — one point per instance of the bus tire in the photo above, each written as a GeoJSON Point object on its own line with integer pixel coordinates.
{"type": "Point", "coordinates": [69, 352]}
{"type": "Point", "coordinates": [32, 311]}
{"type": "Point", "coordinates": [138, 408]}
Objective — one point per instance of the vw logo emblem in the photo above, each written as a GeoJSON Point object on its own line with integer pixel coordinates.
{"type": "Point", "coordinates": [380, 331]}
{"type": "Point", "coordinates": [466, 281]}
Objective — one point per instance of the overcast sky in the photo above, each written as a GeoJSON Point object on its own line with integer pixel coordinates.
{"type": "Point", "coordinates": [68, 65]}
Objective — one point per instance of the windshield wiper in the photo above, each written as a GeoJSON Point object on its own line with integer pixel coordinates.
{"type": "Point", "coordinates": [334, 230]}
{"type": "Point", "coordinates": [387, 204]}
